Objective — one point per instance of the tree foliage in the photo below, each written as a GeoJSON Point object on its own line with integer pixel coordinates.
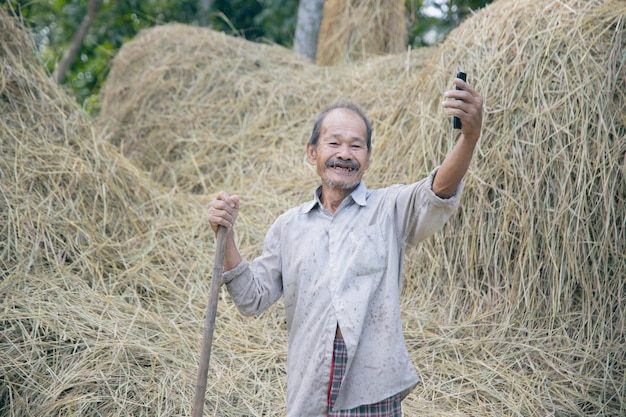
{"type": "Point", "coordinates": [54, 22]}
{"type": "Point", "coordinates": [429, 22]}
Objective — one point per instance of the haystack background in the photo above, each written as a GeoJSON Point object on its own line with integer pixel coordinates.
{"type": "Point", "coordinates": [360, 29]}
{"type": "Point", "coordinates": [516, 308]}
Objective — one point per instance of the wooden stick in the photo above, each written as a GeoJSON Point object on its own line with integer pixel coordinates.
{"type": "Point", "coordinates": [209, 323]}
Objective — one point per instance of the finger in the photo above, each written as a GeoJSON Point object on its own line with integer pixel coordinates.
{"type": "Point", "coordinates": [462, 95]}
{"type": "Point", "coordinates": [467, 103]}
{"type": "Point", "coordinates": [223, 201]}
{"type": "Point", "coordinates": [454, 105]}
{"type": "Point", "coordinates": [469, 115]}
{"type": "Point", "coordinates": [231, 201]}
{"type": "Point", "coordinates": [223, 210]}
{"type": "Point", "coordinates": [458, 82]}
{"type": "Point", "coordinates": [235, 201]}
{"type": "Point", "coordinates": [223, 196]}
{"type": "Point", "coordinates": [220, 221]}
{"type": "Point", "coordinates": [464, 91]}
{"type": "Point", "coordinates": [464, 85]}
{"type": "Point", "coordinates": [220, 218]}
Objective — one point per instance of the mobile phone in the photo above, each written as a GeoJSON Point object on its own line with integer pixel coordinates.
{"type": "Point", "coordinates": [457, 121]}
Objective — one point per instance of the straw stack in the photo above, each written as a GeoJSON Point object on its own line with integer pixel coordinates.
{"type": "Point", "coordinates": [93, 262]}
{"type": "Point", "coordinates": [516, 308]}
{"type": "Point", "coordinates": [359, 29]}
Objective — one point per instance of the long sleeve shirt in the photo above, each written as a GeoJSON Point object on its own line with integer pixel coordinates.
{"type": "Point", "coordinates": [342, 270]}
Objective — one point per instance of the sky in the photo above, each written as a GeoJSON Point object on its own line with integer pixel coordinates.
{"type": "Point", "coordinates": [431, 9]}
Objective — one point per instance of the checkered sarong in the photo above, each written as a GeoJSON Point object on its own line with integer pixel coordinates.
{"type": "Point", "coordinates": [386, 408]}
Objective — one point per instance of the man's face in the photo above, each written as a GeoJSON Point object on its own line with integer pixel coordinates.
{"type": "Point", "coordinates": [341, 155]}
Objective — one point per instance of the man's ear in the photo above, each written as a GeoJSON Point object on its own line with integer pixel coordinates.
{"type": "Point", "coordinates": [311, 153]}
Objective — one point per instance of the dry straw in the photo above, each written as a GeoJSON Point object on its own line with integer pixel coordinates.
{"type": "Point", "coordinates": [516, 308]}
{"type": "Point", "coordinates": [358, 29]}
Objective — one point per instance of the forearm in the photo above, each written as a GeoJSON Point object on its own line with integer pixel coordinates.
{"type": "Point", "coordinates": [454, 167]}
{"type": "Point", "coordinates": [232, 257]}
{"type": "Point", "coordinates": [255, 286]}
{"type": "Point", "coordinates": [252, 294]}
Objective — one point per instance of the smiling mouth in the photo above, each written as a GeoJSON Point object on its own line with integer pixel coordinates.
{"type": "Point", "coordinates": [345, 166]}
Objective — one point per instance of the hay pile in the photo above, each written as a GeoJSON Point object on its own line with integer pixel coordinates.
{"type": "Point", "coordinates": [357, 29]}
{"type": "Point", "coordinates": [94, 262]}
{"type": "Point", "coordinates": [517, 307]}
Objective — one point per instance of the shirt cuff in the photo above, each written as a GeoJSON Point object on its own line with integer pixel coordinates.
{"type": "Point", "coordinates": [429, 182]}
{"type": "Point", "coordinates": [231, 274]}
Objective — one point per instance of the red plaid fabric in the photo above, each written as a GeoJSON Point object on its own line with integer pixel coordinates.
{"type": "Point", "coordinates": [387, 408]}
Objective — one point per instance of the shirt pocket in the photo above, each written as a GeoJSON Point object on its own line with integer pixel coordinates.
{"type": "Point", "coordinates": [369, 257]}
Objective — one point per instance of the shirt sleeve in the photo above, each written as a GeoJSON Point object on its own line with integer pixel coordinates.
{"type": "Point", "coordinates": [255, 286]}
{"type": "Point", "coordinates": [421, 212]}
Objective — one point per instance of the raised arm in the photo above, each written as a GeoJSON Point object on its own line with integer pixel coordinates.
{"type": "Point", "coordinates": [467, 105]}
{"type": "Point", "coordinates": [223, 211]}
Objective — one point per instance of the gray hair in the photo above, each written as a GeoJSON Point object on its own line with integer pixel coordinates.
{"type": "Point", "coordinates": [317, 127]}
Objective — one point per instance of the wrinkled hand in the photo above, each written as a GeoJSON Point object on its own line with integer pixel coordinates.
{"type": "Point", "coordinates": [223, 211]}
{"type": "Point", "coordinates": [467, 105]}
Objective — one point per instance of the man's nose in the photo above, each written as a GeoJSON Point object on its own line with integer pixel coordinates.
{"type": "Point", "coordinates": [344, 152]}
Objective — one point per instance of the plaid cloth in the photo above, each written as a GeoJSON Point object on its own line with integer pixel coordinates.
{"type": "Point", "coordinates": [386, 408]}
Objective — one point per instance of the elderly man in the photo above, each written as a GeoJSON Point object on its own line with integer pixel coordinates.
{"type": "Point", "coordinates": [337, 260]}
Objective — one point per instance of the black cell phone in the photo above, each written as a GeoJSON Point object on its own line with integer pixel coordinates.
{"type": "Point", "coordinates": [457, 121]}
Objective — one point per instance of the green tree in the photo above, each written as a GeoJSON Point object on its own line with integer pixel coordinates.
{"type": "Point", "coordinates": [431, 20]}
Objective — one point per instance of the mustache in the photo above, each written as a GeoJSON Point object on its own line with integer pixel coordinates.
{"type": "Point", "coordinates": [335, 162]}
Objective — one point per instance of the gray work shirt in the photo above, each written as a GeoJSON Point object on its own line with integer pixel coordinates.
{"type": "Point", "coordinates": [343, 269]}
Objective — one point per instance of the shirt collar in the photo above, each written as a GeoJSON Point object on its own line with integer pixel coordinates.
{"type": "Point", "coordinates": [358, 195]}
